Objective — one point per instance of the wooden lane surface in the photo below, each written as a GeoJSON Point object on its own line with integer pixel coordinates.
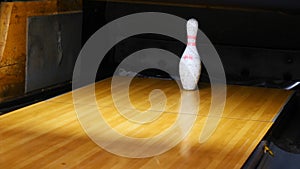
{"type": "Point", "coordinates": [48, 134]}
{"type": "Point", "coordinates": [242, 102]}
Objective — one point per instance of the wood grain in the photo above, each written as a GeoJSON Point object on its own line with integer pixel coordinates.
{"type": "Point", "coordinates": [15, 43]}
{"type": "Point", "coordinates": [5, 13]}
{"type": "Point", "coordinates": [10, 82]}
{"type": "Point", "coordinates": [48, 134]}
{"type": "Point", "coordinates": [253, 102]}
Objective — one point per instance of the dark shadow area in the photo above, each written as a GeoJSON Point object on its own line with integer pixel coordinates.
{"type": "Point", "coordinates": [285, 133]}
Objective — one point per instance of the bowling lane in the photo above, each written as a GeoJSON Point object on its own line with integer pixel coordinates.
{"type": "Point", "coordinates": [242, 102]}
{"type": "Point", "coordinates": [48, 135]}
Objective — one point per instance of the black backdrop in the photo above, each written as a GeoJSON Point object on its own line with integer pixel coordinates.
{"type": "Point", "coordinates": [258, 42]}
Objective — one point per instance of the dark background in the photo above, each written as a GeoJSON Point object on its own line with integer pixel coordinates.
{"type": "Point", "coordinates": [258, 42]}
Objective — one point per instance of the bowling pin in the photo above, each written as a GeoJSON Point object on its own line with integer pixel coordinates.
{"type": "Point", "coordinates": [190, 65]}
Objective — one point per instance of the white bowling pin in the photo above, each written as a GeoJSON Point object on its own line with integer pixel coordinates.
{"type": "Point", "coordinates": [190, 65]}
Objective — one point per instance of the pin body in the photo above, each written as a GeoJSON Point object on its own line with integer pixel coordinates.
{"type": "Point", "coordinates": [190, 65]}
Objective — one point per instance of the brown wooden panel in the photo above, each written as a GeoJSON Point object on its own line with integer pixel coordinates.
{"type": "Point", "coordinates": [48, 134]}
{"type": "Point", "coordinates": [15, 45]}
{"type": "Point", "coordinates": [11, 81]}
{"type": "Point", "coordinates": [13, 26]}
{"type": "Point", "coordinates": [14, 22]}
{"type": "Point", "coordinates": [5, 12]}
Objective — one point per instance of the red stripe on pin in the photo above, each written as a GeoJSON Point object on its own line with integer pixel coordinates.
{"type": "Point", "coordinates": [188, 57]}
{"type": "Point", "coordinates": [191, 44]}
{"type": "Point", "coordinates": [192, 37]}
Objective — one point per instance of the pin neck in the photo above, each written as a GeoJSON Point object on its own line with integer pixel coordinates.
{"type": "Point", "coordinates": [191, 40]}
{"type": "Point", "coordinates": [191, 37]}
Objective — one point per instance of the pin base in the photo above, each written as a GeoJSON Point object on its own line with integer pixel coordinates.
{"type": "Point", "coordinates": [189, 89]}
